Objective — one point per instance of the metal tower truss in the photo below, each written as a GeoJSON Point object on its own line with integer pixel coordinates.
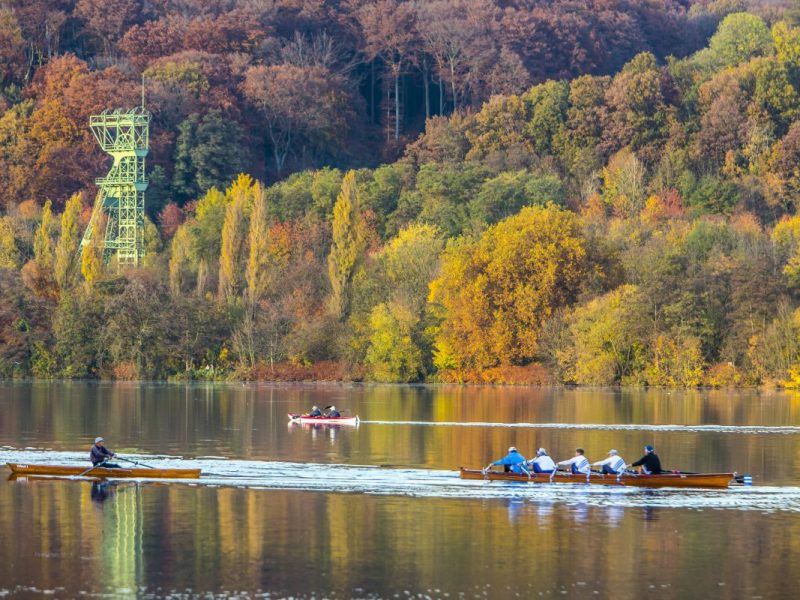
{"type": "Point", "coordinates": [125, 135]}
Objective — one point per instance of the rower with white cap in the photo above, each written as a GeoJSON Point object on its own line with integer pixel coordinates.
{"type": "Point", "coordinates": [513, 462]}
{"type": "Point", "coordinates": [613, 465]}
{"type": "Point", "coordinates": [542, 463]}
{"type": "Point", "coordinates": [99, 455]}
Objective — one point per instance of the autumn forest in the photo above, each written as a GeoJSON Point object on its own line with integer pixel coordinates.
{"type": "Point", "coordinates": [596, 192]}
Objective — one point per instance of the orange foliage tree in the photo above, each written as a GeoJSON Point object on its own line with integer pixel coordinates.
{"type": "Point", "coordinates": [494, 293]}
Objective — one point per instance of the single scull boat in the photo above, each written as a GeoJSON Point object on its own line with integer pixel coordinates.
{"type": "Point", "coordinates": [102, 472]}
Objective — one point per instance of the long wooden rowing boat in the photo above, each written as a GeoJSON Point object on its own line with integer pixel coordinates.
{"type": "Point", "coordinates": [684, 480]}
{"type": "Point", "coordinates": [103, 472]}
{"type": "Point", "coordinates": [295, 418]}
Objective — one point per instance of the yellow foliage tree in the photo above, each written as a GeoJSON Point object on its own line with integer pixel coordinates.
{"type": "Point", "coordinates": [66, 261]}
{"type": "Point", "coordinates": [92, 266]}
{"type": "Point", "coordinates": [494, 294]}
{"type": "Point", "coordinates": [258, 274]}
{"type": "Point", "coordinates": [676, 360]}
{"type": "Point", "coordinates": [230, 258]}
{"type": "Point", "coordinates": [9, 254]}
{"type": "Point", "coordinates": [179, 259]}
{"type": "Point", "coordinates": [347, 249]}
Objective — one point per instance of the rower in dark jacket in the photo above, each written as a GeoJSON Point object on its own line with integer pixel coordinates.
{"type": "Point", "coordinates": [100, 454]}
{"type": "Point", "coordinates": [650, 463]}
{"type": "Point", "coordinates": [315, 412]}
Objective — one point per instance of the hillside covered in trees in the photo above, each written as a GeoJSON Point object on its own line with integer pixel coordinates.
{"type": "Point", "coordinates": [602, 192]}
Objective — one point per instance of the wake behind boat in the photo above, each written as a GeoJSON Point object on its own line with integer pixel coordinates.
{"type": "Point", "coordinates": [662, 480]}
{"type": "Point", "coordinates": [102, 472]}
{"type": "Point", "coordinates": [323, 419]}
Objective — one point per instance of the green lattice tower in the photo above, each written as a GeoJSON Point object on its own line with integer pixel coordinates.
{"type": "Point", "coordinates": [125, 135]}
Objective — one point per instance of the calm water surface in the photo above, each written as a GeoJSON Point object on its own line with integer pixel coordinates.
{"type": "Point", "coordinates": [378, 510]}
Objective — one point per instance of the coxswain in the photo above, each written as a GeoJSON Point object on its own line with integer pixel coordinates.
{"type": "Point", "coordinates": [649, 463]}
{"type": "Point", "coordinates": [542, 463]}
{"type": "Point", "coordinates": [315, 411]}
{"type": "Point", "coordinates": [513, 462]}
{"type": "Point", "coordinates": [100, 454]}
{"type": "Point", "coordinates": [333, 413]}
{"type": "Point", "coordinates": [578, 464]}
{"type": "Point", "coordinates": [613, 465]}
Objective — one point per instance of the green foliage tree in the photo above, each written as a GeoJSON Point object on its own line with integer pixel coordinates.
{"type": "Point", "coordinates": [446, 191]}
{"type": "Point", "coordinates": [606, 342]}
{"type": "Point", "coordinates": [505, 194]}
{"type": "Point", "coordinates": [392, 353]}
{"type": "Point", "coordinates": [739, 37]}
{"type": "Point", "coordinates": [208, 153]}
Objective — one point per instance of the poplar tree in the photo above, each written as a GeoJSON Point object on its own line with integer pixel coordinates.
{"type": "Point", "coordinates": [180, 251]}
{"type": "Point", "coordinates": [92, 257]}
{"type": "Point", "coordinates": [42, 243]}
{"type": "Point", "coordinates": [231, 250]}
{"type": "Point", "coordinates": [347, 248]}
{"type": "Point", "coordinates": [9, 255]}
{"type": "Point", "coordinates": [66, 261]}
{"type": "Point", "coordinates": [258, 272]}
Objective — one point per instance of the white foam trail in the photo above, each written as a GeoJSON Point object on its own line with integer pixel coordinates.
{"type": "Point", "coordinates": [750, 429]}
{"type": "Point", "coordinates": [432, 483]}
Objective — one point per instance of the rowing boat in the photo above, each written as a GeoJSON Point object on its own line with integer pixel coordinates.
{"type": "Point", "coordinates": [103, 472]}
{"type": "Point", "coordinates": [684, 480]}
{"type": "Point", "coordinates": [295, 418]}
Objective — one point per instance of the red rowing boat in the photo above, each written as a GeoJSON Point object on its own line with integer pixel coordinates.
{"type": "Point", "coordinates": [295, 418]}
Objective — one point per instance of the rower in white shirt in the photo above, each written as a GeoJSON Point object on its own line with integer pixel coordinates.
{"type": "Point", "coordinates": [542, 463]}
{"type": "Point", "coordinates": [578, 464]}
{"type": "Point", "coordinates": [613, 465]}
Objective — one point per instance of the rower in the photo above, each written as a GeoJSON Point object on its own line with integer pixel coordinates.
{"type": "Point", "coordinates": [613, 465]}
{"type": "Point", "coordinates": [333, 413]}
{"type": "Point", "coordinates": [513, 462]}
{"type": "Point", "coordinates": [578, 464]}
{"type": "Point", "coordinates": [315, 411]}
{"type": "Point", "coordinates": [650, 463]}
{"type": "Point", "coordinates": [542, 463]}
{"type": "Point", "coordinates": [99, 454]}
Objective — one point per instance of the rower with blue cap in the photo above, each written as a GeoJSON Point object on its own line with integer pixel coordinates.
{"type": "Point", "coordinates": [650, 464]}
{"type": "Point", "coordinates": [99, 455]}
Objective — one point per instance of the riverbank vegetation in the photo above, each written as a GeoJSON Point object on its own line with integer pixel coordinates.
{"type": "Point", "coordinates": [624, 215]}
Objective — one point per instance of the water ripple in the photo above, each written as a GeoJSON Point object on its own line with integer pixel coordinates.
{"type": "Point", "coordinates": [431, 483]}
{"type": "Point", "coordinates": [750, 429]}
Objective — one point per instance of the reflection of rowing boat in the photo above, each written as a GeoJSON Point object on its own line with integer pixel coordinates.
{"type": "Point", "coordinates": [693, 480]}
{"type": "Point", "coordinates": [102, 472]}
{"type": "Point", "coordinates": [305, 419]}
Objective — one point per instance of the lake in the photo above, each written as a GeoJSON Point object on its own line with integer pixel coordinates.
{"type": "Point", "coordinates": [378, 511]}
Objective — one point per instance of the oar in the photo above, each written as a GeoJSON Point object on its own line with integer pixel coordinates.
{"type": "Point", "coordinates": [92, 468]}
{"type": "Point", "coordinates": [135, 463]}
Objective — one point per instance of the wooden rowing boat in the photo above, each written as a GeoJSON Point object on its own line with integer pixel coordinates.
{"type": "Point", "coordinates": [683, 480]}
{"type": "Point", "coordinates": [295, 418]}
{"type": "Point", "coordinates": [103, 472]}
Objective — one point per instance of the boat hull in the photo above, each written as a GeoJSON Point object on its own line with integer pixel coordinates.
{"type": "Point", "coordinates": [672, 480]}
{"type": "Point", "coordinates": [102, 472]}
{"type": "Point", "coordinates": [323, 420]}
